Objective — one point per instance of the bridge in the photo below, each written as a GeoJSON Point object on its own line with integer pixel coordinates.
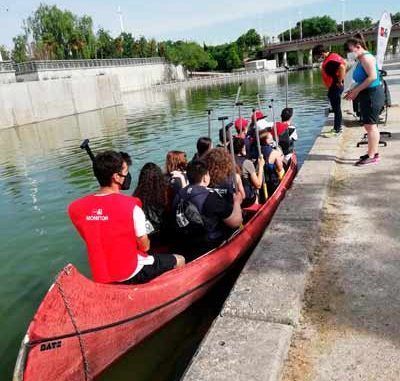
{"type": "Point", "coordinates": [304, 46]}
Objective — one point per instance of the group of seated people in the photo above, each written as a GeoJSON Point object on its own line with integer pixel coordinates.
{"type": "Point", "coordinates": [192, 206]}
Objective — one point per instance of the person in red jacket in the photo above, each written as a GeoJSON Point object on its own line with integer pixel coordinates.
{"type": "Point", "coordinates": [333, 71]}
{"type": "Point", "coordinates": [113, 226]}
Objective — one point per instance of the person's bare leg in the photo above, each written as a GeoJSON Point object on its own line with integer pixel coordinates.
{"type": "Point", "coordinates": [180, 260]}
{"type": "Point", "coordinates": [373, 139]}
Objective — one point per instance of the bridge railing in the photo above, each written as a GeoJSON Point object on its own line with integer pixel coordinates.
{"type": "Point", "coordinates": [6, 66]}
{"type": "Point", "coordinates": [392, 57]}
{"type": "Point", "coordinates": [366, 31]}
{"type": "Point", "coordinates": [35, 66]}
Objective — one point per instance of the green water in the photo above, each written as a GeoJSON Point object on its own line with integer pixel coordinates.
{"type": "Point", "coordinates": [42, 169]}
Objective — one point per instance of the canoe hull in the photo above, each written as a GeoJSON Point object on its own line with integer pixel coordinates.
{"type": "Point", "coordinates": [81, 327]}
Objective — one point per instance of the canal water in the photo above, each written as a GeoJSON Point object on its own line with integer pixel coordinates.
{"type": "Point", "coordinates": [42, 170]}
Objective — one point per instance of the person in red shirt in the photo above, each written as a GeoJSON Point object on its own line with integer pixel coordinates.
{"type": "Point", "coordinates": [333, 71]}
{"type": "Point", "coordinates": [113, 226]}
{"type": "Point", "coordinates": [287, 133]}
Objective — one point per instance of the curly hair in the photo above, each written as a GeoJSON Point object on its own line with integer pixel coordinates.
{"type": "Point", "coordinates": [175, 161]}
{"type": "Point", "coordinates": [152, 186]}
{"type": "Point", "coordinates": [219, 164]}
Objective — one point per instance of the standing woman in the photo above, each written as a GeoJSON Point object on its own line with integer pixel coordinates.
{"type": "Point", "coordinates": [369, 91]}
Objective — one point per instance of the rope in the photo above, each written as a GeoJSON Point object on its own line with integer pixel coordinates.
{"type": "Point", "coordinates": [75, 325]}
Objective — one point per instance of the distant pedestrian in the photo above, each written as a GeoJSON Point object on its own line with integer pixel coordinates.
{"type": "Point", "coordinates": [333, 73]}
{"type": "Point", "coordinates": [370, 93]}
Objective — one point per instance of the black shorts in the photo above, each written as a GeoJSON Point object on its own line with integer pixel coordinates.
{"type": "Point", "coordinates": [372, 100]}
{"type": "Point", "coordinates": [162, 263]}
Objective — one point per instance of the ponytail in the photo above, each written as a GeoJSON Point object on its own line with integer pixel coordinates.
{"type": "Point", "coordinates": [357, 39]}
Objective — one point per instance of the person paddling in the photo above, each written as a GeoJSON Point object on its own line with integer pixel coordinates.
{"type": "Point", "coordinates": [333, 71]}
{"type": "Point", "coordinates": [113, 227]}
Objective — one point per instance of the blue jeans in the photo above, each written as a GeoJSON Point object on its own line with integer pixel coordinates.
{"type": "Point", "coordinates": [335, 97]}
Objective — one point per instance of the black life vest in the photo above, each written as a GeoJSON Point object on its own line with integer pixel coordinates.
{"type": "Point", "coordinates": [271, 176]}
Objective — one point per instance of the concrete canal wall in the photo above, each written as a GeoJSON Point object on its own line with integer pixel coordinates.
{"type": "Point", "coordinates": [7, 72]}
{"type": "Point", "coordinates": [31, 102]}
{"type": "Point", "coordinates": [133, 73]}
{"type": "Point", "coordinates": [251, 337]}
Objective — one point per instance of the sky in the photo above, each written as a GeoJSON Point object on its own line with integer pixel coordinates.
{"type": "Point", "coordinates": [209, 21]}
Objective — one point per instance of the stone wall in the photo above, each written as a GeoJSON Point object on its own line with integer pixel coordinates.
{"type": "Point", "coordinates": [131, 77]}
{"type": "Point", "coordinates": [31, 102]}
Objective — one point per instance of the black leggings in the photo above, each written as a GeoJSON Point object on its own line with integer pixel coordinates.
{"type": "Point", "coordinates": [335, 97]}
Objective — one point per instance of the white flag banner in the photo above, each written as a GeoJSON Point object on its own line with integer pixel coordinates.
{"type": "Point", "coordinates": [384, 28]}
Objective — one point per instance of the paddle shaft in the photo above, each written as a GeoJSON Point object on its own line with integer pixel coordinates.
{"type": "Point", "coordinates": [209, 123]}
{"type": "Point", "coordinates": [287, 85]}
{"type": "Point", "coordinates": [86, 147]}
{"type": "Point", "coordinates": [264, 185]}
{"type": "Point", "coordinates": [239, 104]}
{"type": "Point", "coordinates": [235, 184]}
{"type": "Point", "coordinates": [273, 121]}
{"type": "Point", "coordinates": [236, 100]}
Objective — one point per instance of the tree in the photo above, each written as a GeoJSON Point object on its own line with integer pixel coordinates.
{"type": "Point", "coordinates": [5, 53]}
{"type": "Point", "coordinates": [189, 54]}
{"type": "Point", "coordinates": [119, 47]}
{"type": "Point", "coordinates": [226, 55]}
{"type": "Point", "coordinates": [20, 51]}
{"type": "Point", "coordinates": [152, 48]}
{"type": "Point", "coordinates": [142, 47]}
{"type": "Point", "coordinates": [84, 29]}
{"type": "Point", "coordinates": [314, 26]}
{"type": "Point", "coordinates": [128, 43]}
{"type": "Point", "coordinates": [249, 41]}
{"type": "Point", "coordinates": [396, 17]}
{"type": "Point", "coordinates": [356, 24]}
{"type": "Point", "coordinates": [233, 60]}
{"type": "Point", "coordinates": [59, 34]}
{"type": "Point", "coordinates": [105, 44]}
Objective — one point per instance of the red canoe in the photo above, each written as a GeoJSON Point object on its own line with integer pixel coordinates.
{"type": "Point", "coordinates": [81, 327]}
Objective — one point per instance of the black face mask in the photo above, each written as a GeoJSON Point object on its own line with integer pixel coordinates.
{"type": "Point", "coordinates": [127, 181]}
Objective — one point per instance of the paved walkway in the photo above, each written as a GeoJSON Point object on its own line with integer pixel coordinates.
{"type": "Point", "coordinates": [350, 324]}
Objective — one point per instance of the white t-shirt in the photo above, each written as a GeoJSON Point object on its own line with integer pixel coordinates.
{"type": "Point", "coordinates": [141, 228]}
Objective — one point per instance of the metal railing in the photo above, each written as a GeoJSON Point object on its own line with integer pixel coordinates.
{"type": "Point", "coordinates": [366, 31]}
{"type": "Point", "coordinates": [35, 66]}
{"type": "Point", "coordinates": [6, 66]}
{"type": "Point", "coordinates": [390, 57]}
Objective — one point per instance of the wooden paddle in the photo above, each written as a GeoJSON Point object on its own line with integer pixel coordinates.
{"type": "Point", "coordinates": [264, 184]}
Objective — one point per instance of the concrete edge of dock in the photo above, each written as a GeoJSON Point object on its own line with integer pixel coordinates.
{"type": "Point", "coordinates": [250, 338]}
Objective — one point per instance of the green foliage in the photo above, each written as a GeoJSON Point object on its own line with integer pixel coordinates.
{"type": "Point", "coordinates": [59, 34]}
{"type": "Point", "coordinates": [5, 53]}
{"type": "Point", "coordinates": [314, 26]}
{"type": "Point", "coordinates": [230, 56]}
{"type": "Point", "coordinates": [227, 56]}
{"type": "Point", "coordinates": [104, 44]}
{"type": "Point", "coordinates": [189, 54]}
{"type": "Point", "coordinates": [249, 42]}
{"type": "Point", "coordinates": [20, 51]}
{"type": "Point", "coordinates": [396, 17]}
{"type": "Point", "coordinates": [356, 24]}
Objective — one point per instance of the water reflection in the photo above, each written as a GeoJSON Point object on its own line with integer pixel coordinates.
{"type": "Point", "coordinates": [42, 169]}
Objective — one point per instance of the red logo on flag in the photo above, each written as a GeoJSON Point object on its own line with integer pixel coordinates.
{"type": "Point", "coordinates": [384, 32]}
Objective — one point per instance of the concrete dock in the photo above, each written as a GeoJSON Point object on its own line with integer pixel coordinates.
{"type": "Point", "coordinates": [319, 298]}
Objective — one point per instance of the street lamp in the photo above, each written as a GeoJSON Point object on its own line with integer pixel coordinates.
{"type": "Point", "coordinates": [343, 12]}
{"type": "Point", "coordinates": [301, 26]}
{"type": "Point", "coordinates": [290, 31]}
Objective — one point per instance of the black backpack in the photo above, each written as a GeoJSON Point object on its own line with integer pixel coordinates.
{"type": "Point", "coordinates": [188, 218]}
